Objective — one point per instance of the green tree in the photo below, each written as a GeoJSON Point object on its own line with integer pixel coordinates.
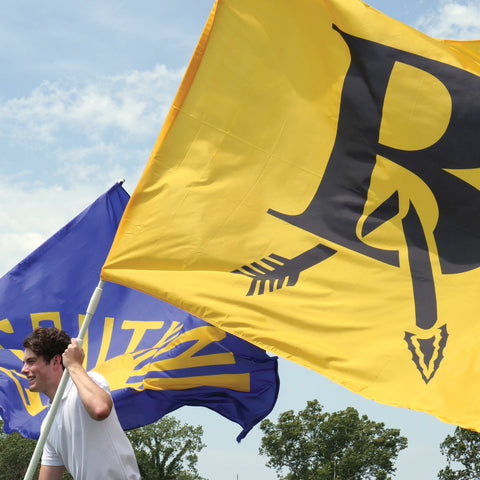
{"type": "Point", "coordinates": [167, 450]}
{"type": "Point", "coordinates": [463, 448]}
{"type": "Point", "coordinates": [15, 454]}
{"type": "Point", "coordinates": [317, 445]}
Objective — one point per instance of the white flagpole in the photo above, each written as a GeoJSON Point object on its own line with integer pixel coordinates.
{"type": "Point", "coordinates": [61, 386]}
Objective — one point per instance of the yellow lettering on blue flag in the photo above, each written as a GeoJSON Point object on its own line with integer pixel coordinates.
{"type": "Point", "coordinates": [156, 357]}
{"type": "Point", "coordinates": [119, 370]}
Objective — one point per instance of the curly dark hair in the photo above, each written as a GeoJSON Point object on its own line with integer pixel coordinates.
{"type": "Point", "coordinates": [47, 342]}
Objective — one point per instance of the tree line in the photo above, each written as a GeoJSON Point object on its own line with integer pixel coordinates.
{"type": "Point", "coordinates": [310, 445]}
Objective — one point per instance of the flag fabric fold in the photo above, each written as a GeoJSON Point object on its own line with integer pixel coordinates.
{"type": "Point", "coordinates": [315, 190]}
{"type": "Point", "coordinates": [155, 356]}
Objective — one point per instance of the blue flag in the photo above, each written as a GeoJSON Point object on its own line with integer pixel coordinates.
{"type": "Point", "coordinates": [155, 356]}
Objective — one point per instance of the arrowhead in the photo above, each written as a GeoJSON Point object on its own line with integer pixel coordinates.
{"type": "Point", "coordinates": [427, 353]}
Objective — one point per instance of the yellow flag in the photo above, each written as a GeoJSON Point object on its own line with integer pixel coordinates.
{"type": "Point", "coordinates": [315, 191]}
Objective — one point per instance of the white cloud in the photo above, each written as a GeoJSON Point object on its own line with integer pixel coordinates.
{"type": "Point", "coordinates": [72, 134]}
{"type": "Point", "coordinates": [82, 165]}
{"type": "Point", "coordinates": [453, 20]}
{"type": "Point", "coordinates": [66, 143]}
{"type": "Point", "coordinates": [31, 215]}
{"type": "Point", "coordinates": [133, 104]}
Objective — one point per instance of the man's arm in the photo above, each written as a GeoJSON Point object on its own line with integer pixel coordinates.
{"type": "Point", "coordinates": [48, 472]}
{"type": "Point", "coordinates": [95, 399]}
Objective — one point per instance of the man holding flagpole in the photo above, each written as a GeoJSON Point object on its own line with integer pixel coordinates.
{"type": "Point", "coordinates": [86, 436]}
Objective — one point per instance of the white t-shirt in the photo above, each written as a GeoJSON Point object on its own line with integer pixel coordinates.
{"type": "Point", "coordinates": [89, 449]}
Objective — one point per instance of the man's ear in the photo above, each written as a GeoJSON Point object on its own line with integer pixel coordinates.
{"type": "Point", "coordinates": [57, 361]}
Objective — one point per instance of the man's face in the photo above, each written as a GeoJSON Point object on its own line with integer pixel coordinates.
{"type": "Point", "coordinates": [38, 372]}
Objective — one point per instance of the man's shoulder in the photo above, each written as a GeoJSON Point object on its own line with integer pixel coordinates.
{"type": "Point", "coordinates": [99, 379]}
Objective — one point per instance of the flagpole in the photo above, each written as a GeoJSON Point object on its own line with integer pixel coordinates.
{"type": "Point", "coordinates": [92, 306]}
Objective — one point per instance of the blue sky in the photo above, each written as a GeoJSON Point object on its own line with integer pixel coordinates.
{"type": "Point", "coordinates": [84, 90]}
